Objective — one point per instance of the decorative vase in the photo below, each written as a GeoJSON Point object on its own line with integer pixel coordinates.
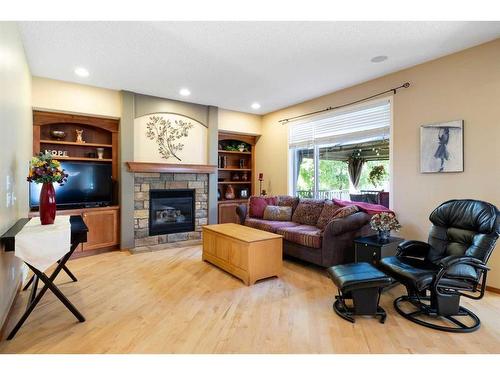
{"type": "Point", "coordinates": [383, 235]}
{"type": "Point", "coordinates": [229, 192]}
{"type": "Point", "coordinates": [47, 203]}
{"type": "Point", "coordinates": [100, 152]}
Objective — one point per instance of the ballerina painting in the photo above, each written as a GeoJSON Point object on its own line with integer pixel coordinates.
{"type": "Point", "coordinates": [441, 147]}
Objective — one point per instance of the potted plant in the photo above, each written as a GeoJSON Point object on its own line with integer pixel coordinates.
{"type": "Point", "coordinates": [383, 223]}
{"type": "Point", "coordinates": [45, 170]}
{"type": "Point", "coordinates": [377, 175]}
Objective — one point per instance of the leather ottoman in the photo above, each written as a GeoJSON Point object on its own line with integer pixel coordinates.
{"type": "Point", "coordinates": [362, 283]}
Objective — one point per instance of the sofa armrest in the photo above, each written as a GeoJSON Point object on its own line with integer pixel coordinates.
{"type": "Point", "coordinates": [350, 223]}
{"type": "Point", "coordinates": [338, 238]}
{"type": "Point", "coordinates": [241, 211]}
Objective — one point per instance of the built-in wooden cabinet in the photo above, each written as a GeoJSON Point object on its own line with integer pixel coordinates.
{"type": "Point", "coordinates": [98, 132]}
{"type": "Point", "coordinates": [236, 171]}
{"type": "Point", "coordinates": [227, 211]}
{"type": "Point", "coordinates": [103, 228]}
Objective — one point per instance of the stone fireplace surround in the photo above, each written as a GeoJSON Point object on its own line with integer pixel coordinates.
{"type": "Point", "coordinates": [143, 182]}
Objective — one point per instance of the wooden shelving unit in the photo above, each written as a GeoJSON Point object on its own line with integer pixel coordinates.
{"type": "Point", "coordinates": [236, 169]}
{"type": "Point", "coordinates": [226, 173]}
{"type": "Point", "coordinates": [52, 142]}
{"type": "Point", "coordinates": [74, 158]}
{"type": "Point", "coordinates": [235, 183]}
{"type": "Point", "coordinates": [235, 152]}
{"type": "Point", "coordinates": [103, 222]}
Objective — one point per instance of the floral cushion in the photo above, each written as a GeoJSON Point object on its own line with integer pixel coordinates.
{"type": "Point", "coordinates": [345, 211]}
{"type": "Point", "coordinates": [308, 211]}
{"type": "Point", "coordinates": [268, 225]}
{"type": "Point", "coordinates": [306, 235]}
{"type": "Point", "coordinates": [257, 205]}
{"type": "Point", "coordinates": [278, 213]}
{"type": "Point", "coordinates": [327, 214]}
{"type": "Point", "coordinates": [288, 201]}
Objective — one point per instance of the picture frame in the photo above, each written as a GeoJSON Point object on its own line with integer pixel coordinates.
{"type": "Point", "coordinates": [244, 193]}
{"type": "Point", "coordinates": [442, 147]}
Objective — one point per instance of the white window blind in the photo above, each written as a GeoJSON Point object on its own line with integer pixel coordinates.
{"type": "Point", "coordinates": [354, 125]}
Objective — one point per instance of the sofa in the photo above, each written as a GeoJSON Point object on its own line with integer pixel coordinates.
{"type": "Point", "coordinates": [316, 231]}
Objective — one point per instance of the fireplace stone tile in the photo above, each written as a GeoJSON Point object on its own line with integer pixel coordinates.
{"type": "Point", "coordinates": [143, 183]}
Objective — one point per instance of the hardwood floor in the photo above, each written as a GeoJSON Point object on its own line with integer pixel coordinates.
{"type": "Point", "coordinates": [171, 302]}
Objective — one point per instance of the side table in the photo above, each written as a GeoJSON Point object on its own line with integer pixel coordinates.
{"type": "Point", "coordinates": [370, 249]}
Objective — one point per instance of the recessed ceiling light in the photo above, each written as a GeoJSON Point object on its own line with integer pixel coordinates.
{"type": "Point", "coordinates": [81, 72]}
{"type": "Point", "coordinates": [184, 92]}
{"type": "Point", "coordinates": [255, 105]}
{"type": "Point", "coordinates": [378, 59]}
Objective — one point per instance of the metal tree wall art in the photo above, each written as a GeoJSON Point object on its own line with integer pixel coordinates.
{"type": "Point", "coordinates": [166, 135]}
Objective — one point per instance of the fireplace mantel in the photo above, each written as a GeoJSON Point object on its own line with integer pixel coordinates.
{"type": "Point", "coordinates": [142, 167]}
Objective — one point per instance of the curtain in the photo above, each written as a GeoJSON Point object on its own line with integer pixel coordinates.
{"type": "Point", "coordinates": [298, 162]}
{"type": "Point", "coordinates": [355, 168]}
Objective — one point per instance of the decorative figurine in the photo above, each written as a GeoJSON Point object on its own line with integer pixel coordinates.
{"type": "Point", "coordinates": [229, 192]}
{"type": "Point", "coordinates": [79, 136]}
{"type": "Point", "coordinates": [100, 152]}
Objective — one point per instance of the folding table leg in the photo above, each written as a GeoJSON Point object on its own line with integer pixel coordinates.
{"type": "Point", "coordinates": [29, 282]}
{"type": "Point", "coordinates": [69, 273]}
{"type": "Point", "coordinates": [33, 289]}
{"type": "Point", "coordinates": [48, 283]}
{"type": "Point", "coordinates": [62, 297]}
{"type": "Point", "coordinates": [28, 311]}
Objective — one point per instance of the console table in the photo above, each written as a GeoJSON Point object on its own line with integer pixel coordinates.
{"type": "Point", "coordinates": [78, 235]}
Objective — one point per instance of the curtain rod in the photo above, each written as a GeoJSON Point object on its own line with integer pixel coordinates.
{"type": "Point", "coordinates": [393, 90]}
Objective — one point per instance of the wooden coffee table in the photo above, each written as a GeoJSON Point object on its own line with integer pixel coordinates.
{"type": "Point", "coordinates": [247, 253]}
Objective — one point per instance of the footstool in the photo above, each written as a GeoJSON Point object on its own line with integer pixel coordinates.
{"type": "Point", "coordinates": [362, 283]}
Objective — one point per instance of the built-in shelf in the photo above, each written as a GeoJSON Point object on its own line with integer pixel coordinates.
{"type": "Point", "coordinates": [62, 158]}
{"type": "Point", "coordinates": [234, 182]}
{"type": "Point", "coordinates": [236, 169]}
{"type": "Point", "coordinates": [52, 142]}
{"type": "Point", "coordinates": [235, 152]}
{"type": "Point", "coordinates": [239, 200]}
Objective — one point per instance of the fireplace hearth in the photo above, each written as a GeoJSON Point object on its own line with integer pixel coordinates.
{"type": "Point", "coordinates": [171, 211]}
{"type": "Point", "coordinates": [163, 203]}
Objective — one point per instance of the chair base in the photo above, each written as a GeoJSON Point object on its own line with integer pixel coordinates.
{"type": "Point", "coordinates": [428, 310]}
{"type": "Point", "coordinates": [348, 314]}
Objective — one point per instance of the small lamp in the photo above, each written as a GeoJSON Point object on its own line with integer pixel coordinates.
{"type": "Point", "coordinates": [261, 178]}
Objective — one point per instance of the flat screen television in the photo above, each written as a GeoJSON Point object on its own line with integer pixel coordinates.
{"type": "Point", "coordinates": [89, 185]}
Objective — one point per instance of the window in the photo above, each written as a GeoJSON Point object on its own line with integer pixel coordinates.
{"type": "Point", "coordinates": [332, 154]}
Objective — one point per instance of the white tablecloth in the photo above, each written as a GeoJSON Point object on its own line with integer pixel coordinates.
{"type": "Point", "coordinates": [43, 245]}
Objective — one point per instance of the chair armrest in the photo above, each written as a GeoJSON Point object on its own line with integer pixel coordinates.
{"type": "Point", "coordinates": [453, 260]}
{"type": "Point", "coordinates": [241, 211]}
{"type": "Point", "coordinates": [350, 223]}
{"type": "Point", "coordinates": [412, 248]}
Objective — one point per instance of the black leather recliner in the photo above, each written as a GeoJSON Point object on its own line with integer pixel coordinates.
{"type": "Point", "coordinates": [450, 265]}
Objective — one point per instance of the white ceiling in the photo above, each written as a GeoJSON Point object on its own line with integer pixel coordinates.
{"type": "Point", "coordinates": [233, 64]}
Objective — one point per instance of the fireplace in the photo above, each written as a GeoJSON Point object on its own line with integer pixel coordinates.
{"type": "Point", "coordinates": [171, 211]}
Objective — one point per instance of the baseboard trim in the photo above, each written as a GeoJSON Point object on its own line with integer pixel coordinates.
{"type": "Point", "coordinates": [493, 289]}
{"type": "Point", "coordinates": [3, 328]}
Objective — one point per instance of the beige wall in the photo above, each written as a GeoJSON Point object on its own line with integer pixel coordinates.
{"type": "Point", "coordinates": [15, 145]}
{"type": "Point", "coordinates": [465, 85]}
{"type": "Point", "coordinates": [53, 95]}
{"type": "Point", "coordinates": [240, 122]}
